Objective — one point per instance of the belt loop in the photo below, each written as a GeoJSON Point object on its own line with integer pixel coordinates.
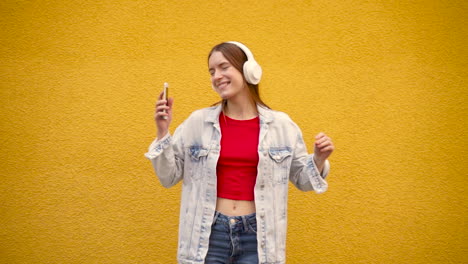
{"type": "Point", "coordinates": [215, 217]}
{"type": "Point", "coordinates": [244, 222]}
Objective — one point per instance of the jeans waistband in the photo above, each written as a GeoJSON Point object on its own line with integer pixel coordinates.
{"type": "Point", "coordinates": [244, 219]}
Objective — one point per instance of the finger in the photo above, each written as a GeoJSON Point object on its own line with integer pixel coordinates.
{"type": "Point", "coordinates": [160, 97]}
{"type": "Point", "coordinates": [325, 145]}
{"type": "Point", "coordinates": [327, 149]}
{"type": "Point", "coordinates": [169, 105]}
{"type": "Point", "coordinates": [170, 102]}
{"type": "Point", "coordinates": [161, 115]}
{"type": "Point", "coordinates": [161, 102]}
{"type": "Point", "coordinates": [321, 140]}
{"type": "Point", "coordinates": [162, 108]}
{"type": "Point", "coordinates": [160, 112]}
{"type": "Point", "coordinates": [320, 135]}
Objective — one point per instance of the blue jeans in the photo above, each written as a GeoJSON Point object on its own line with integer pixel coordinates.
{"type": "Point", "coordinates": [233, 240]}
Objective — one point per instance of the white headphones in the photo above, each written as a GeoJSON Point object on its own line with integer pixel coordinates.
{"type": "Point", "coordinates": [252, 70]}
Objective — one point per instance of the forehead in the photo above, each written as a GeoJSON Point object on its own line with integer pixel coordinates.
{"type": "Point", "coordinates": [216, 59]}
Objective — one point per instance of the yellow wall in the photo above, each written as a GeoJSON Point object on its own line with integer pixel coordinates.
{"type": "Point", "coordinates": [386, 79]}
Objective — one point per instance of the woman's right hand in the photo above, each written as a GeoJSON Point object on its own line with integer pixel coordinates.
{"type": "Point", "coordinates": [163, 115]}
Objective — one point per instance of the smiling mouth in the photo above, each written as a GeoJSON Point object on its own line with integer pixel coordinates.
{"type": "Point", "coordinates": [222, 85]}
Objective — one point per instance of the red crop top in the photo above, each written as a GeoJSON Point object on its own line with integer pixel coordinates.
{"type": "Point", "coordinates": [238, 159]}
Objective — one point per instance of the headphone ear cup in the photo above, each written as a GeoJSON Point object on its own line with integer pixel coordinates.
{"type": "Point", "coordinates": [252, 71]}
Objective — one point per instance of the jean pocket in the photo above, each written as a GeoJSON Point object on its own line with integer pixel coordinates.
{"type": "Point", "coordinates": [281, 157]}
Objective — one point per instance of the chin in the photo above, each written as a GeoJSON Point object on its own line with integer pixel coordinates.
{"type": "Point", "coordinates": [224, 96]}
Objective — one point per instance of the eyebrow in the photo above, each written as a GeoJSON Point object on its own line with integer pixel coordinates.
{"type": "Point", "coordinates": [220, 65]}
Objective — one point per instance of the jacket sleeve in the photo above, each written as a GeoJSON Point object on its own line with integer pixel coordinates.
{"type": "Point", "coordinates": [167, 157]}
{"type": "Point", "coordinates": [304, 173]}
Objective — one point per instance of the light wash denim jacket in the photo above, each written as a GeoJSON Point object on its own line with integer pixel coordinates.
{"type": "Point", "coordinates": [192, 154]}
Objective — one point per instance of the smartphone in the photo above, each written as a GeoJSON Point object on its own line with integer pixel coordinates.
{"type": "Point", "coordinates": [166, 91]}
{"type": "Point", "coordinates": [165, 95]}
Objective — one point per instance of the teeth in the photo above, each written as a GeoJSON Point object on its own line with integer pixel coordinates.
{"type": "Point", "coordinates": [222, 84]}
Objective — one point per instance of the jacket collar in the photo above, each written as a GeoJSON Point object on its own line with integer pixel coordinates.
{"type": "Point", "coordinates": [266, 115]}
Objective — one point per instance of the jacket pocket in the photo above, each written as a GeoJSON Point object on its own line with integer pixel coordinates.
{"type": "Point", "coordinates": [198, 156]}
{"type": "Point", "coordinates": [281, 157]}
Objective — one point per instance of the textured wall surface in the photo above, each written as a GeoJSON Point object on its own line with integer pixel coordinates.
{"type": "Point", "coordinates": [386, 79]}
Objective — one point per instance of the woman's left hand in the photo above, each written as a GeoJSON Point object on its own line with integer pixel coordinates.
{"type": "Point", "coordinates": [323, 148]}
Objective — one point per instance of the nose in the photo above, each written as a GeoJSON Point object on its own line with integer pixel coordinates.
{"type": "Point", "coordinates": [215, 78]}
{"type": "Point", "coordinates": [217, 75]}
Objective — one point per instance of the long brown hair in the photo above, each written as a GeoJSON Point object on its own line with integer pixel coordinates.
{"type": "Point", "coordinates": [237, 58]}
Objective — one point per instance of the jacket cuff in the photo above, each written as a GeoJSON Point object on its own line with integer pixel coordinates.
{"type": "Point", "coordinates": [318, 180]}
{"type": "Point", "coordinates": [157, 146]}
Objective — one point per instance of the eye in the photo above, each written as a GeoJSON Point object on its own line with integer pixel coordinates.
{"type": "Point", "coordinates": [224, 66]}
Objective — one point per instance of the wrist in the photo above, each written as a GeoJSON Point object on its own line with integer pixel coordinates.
{"type": "Point", "coordinates": [162, 134]}
{"type": "Point", "coordinates": [319, 163]}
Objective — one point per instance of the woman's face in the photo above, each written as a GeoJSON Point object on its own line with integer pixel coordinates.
{"type": "Point", "coordinates": [226, 80]}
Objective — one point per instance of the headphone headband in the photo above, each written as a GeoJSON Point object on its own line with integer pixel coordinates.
{"type": "Point", "coordinates": [244, 48]}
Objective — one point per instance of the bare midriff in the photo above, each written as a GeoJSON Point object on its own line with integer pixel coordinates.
{"type": "Point", "coordinates": [234, 207]}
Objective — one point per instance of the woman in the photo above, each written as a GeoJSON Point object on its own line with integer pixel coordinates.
{"type": "Point", "coordinates": [235, 159]}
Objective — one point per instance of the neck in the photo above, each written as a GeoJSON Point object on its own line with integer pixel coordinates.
{"type": "Point", "coordinates": [242, 110]}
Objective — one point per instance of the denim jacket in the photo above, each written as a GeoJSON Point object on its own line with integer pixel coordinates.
{"type": "Point", "coordinates": [191, 155]}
